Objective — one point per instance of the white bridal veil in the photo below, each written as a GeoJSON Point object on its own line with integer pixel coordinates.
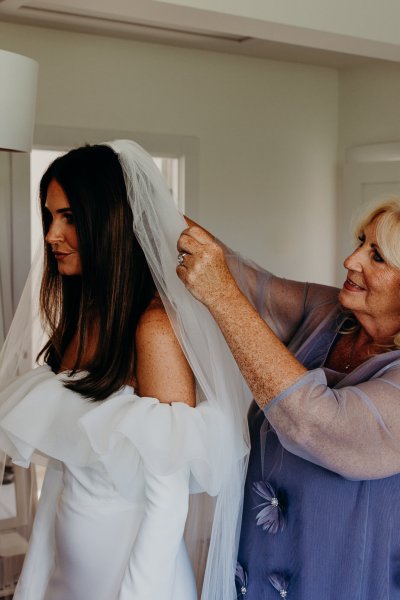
{"type": "Point", "coordinates": [157, 226]}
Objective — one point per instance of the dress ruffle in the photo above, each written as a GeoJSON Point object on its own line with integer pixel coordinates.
{"type": "Point", "coordinates": [38, 414]}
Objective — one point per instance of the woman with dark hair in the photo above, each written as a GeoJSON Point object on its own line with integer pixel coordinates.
{"type": "Point", "coordinates": [96, 278]}
{"type": "Point", "coordinates": [127, 429]}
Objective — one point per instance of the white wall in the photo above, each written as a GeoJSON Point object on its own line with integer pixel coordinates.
{"type": "Point", "coordinates": [369, 117]}
{"type": "Point", "coordinates": [267, 132]}
{"type": "Point", "coordinates": [368, 19]}
{"type": "Point", "coordinates": [369, 105]}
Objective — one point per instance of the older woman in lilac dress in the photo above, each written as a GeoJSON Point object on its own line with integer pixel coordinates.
{"type": "Point", "coordinates": [321, 517]}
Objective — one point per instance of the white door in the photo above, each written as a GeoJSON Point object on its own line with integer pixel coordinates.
{"type": "Point", "coordinates": [363, 182]}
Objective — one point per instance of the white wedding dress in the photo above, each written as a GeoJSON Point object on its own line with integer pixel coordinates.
{"type": "Point", "coordinates": [113, 507]}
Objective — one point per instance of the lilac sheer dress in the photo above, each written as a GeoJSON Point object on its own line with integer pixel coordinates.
{"type": "Point", "coordinates": [321, 517]}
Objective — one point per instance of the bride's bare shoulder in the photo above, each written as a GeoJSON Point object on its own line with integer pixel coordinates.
{"type": "Point", "coordinates": [154, 321]}
{"type": "Point", "coordinates": [154, 310]}
{"type": "Point", "coordinates": [162, 370]}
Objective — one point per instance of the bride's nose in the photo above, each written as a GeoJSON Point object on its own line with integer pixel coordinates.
{"type": "Point", "coordinates": [55, 233]}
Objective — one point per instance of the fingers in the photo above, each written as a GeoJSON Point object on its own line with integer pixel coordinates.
{"type": "Point", "coordinates": [187, 244]}
{"type": "Point", "coordinates": [192, 239]}
{"type": "Point", "coordinates": [183, 268]}
{"type": "Point", "coordinates": [201, 265]}
{"type": "Point", "coordinates": [198, 234]}
{"type": "Point", "coordinates": [183, 259]}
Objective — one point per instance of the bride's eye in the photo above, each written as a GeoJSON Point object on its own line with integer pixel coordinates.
{"type": "Point", "coordinates": [69, 217]}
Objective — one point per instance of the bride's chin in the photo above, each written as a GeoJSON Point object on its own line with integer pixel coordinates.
{"type": "Point", "coordinates": [68, 272]}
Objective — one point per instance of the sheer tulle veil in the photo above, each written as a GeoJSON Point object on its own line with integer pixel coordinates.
{"type": "Point", "coordinates": [157, 226]}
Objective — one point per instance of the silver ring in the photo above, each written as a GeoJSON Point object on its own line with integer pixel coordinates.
{"type": "Point", "coordinates": [181, 257]}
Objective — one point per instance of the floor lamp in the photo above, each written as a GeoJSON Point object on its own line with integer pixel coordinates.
{"type": "Point", "coordinates": [18, 87]}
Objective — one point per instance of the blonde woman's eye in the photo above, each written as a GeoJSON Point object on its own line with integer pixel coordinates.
{"type": "Point", "coordinates": [378, 257]}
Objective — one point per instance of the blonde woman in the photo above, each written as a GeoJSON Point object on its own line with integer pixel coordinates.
{"type": "Point", "coordinates": [321, 516]}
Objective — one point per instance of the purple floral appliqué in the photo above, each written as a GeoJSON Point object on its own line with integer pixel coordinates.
{"type": "Point", "coordinates": [271, 516]}
{"type": "Point", "coordinates": [280, 583]}
{"type": "Point", "coordinates": [241, 581]}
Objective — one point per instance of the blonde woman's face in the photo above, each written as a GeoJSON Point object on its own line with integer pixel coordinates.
{"type": "Point", "coordinates": [372, 287]}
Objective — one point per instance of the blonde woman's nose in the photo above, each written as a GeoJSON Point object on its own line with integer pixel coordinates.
{"type": "Point", "coordinates": [353, 262]}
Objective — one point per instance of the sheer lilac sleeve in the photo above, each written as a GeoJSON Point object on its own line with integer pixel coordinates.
{"type": "Point", "coordinates": [353, 430]}
{"type": "Point", "coordinates": [282, 303]}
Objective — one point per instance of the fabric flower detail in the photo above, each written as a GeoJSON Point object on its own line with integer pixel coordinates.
{"type": "Point", "coordinates": [280, 583]}
{"type": "Point", "coordinates": [241, 581]}
{"type": "Point", "coordinates": [271, 517]}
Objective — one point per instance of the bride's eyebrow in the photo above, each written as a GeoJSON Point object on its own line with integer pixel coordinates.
{"type": "Point", "coordinates": [60, 211]}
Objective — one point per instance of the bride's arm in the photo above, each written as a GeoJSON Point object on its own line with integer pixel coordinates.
{"type": "Point", "coordinates": [162, 373]}
{"type": "Point", "coordinates": [150, 572]}
{"type": "Point", "coordinates": [162, 370]}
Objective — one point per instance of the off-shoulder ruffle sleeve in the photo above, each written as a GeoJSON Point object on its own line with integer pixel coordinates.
{"type": "Point", "coordinates": [38, 414]}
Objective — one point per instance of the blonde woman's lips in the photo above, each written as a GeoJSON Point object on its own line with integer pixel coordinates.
{"type": "Point", "coordinates": [352, 286]}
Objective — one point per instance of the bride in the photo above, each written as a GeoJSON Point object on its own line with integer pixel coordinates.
{"type": "Point", "coordinates": [137, 403]}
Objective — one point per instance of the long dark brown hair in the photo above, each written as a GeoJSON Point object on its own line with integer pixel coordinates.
{"type": "Point", "coordinates": [115, 286]}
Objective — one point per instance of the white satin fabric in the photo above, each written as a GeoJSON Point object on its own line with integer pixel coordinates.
{"type": "Point", "coordinates": [115, 498]}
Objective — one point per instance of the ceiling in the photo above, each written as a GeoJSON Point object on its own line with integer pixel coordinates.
{"type": "Point", "coordinates": [168, 23]}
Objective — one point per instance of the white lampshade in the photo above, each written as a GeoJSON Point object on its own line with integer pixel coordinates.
{"type": "Point", "coordinates": [18, 86]}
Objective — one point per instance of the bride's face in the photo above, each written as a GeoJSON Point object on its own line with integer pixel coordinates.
{"type": "Point", "coordinates": [61, 235]}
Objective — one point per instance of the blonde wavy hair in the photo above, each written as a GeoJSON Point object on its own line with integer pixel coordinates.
{"type": "Point", "coordinates": [387, 233]}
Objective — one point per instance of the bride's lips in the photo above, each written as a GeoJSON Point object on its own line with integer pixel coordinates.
{"type": "Point", "coordinates": [60, 255]}
{"type": "Point", "coordinates": [350, 285]}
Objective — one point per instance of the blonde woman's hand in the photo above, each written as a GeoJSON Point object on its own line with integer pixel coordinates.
{"type": "Point", "coordinates": [202, 267]}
